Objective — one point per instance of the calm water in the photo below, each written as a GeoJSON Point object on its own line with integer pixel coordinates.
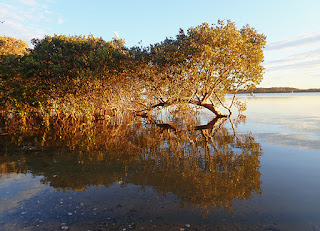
{"type": "Point", "coordinates": [263, 174]}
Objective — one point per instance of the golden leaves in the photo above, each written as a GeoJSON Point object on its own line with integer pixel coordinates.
{"type": "Point", "coordinates": [12, 46]}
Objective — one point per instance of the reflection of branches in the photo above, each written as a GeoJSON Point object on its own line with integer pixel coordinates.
{"type": "Point", "coordinates": [205, 166]}
{"type": "Point", "coordinates": [161, 125]}
{"type": "Point", "coordinates": [214, 124]}
{"type": "Point", "coordinates": [234, 131]}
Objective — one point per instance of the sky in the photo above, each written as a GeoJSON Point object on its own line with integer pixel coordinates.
{"type": "Point", "coordinates": [292, 27]}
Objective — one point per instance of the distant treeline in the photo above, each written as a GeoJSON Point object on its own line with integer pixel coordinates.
{"type": "Point", "coordinates": [282, 90]}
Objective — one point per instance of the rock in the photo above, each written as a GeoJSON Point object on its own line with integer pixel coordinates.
{"type": "Point", "coordinates": [187, 225]}
{"type": "Point", "coordinates": [64, 227]}
{"type": "Point", "coordinates": [29, 148]}
{"type": "Point", "coordinates": [271, 229]}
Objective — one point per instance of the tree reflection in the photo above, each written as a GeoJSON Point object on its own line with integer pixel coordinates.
{"type": "Point", "coordinates": [206, 166]}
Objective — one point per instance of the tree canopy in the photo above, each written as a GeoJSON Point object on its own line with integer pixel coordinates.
{"type": "Point", "coordinates": [86, 78]}
{"type": "Point", "coordinates": [205, 63]}
{"type": "Point", "coordinates": [12, 46]}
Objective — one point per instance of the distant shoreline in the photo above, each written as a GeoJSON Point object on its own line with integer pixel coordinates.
{"type": "Point", "coordinates": [281, 90]}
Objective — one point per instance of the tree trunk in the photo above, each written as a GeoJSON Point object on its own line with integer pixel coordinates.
{"type": "Point", "coordinates": [210, 106]}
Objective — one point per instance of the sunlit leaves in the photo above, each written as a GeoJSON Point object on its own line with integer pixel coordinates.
{"type": "Point", "coordinates": [204, 64]}
{"type": "Point", "coordinates": [199, 66]}
{"type": "Point", "coordinates": [12, 46]}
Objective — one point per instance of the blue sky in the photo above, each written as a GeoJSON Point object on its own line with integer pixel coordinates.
{"type": "Point", "coordinates": [292, 27]}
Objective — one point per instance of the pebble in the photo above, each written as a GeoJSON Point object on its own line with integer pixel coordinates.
{"type": "Point", "coordinates": [187, 225]}
{"type": "Point", "coordinates": [29, 148]}
{"type": "Point", "coordinates": [69, 214]}
{"type": "Point", "coordinates": [64, 227]}
{"type": "Point", "coordinates": [23, 213]}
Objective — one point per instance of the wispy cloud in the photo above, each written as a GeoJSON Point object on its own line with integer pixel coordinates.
{"type": "Point", "coordinates": [293, 62]}
{"type": "Point", "coordinates": [313, 54]}
{"type": "Point", "coordinates": [300, 60]}
{"type": "Point", "coordinates": [307, 65]}
{"type": "Point", "coordinates": [28, 2]}
{"type": "Point", "coordinates": [26, 19]}
{"type": "Point", "coordinates": [7, 13]}
{"type": "Point", "coordinates": [305, 40]}
{"type": "Point", "coordinates": [60, 21]}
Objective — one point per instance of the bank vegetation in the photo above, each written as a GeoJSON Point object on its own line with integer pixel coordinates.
{"type": "Point", "coordinates": [81, 79]}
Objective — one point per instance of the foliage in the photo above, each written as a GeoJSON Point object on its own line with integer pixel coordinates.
{"type": "Point", "coordinates": [11, 51]}
{"type": "Point", "coordinates": [79, 78]}
{"type": "Point", "coordinates": [82, 93]}
{"type": "Point", "coordinates": [204, 64]}
{"type": "Point", "coordinates": [12, 46]}
{"type": "Point", "coordinates": [74, 77]}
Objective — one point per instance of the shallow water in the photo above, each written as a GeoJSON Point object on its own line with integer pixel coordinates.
{"type": "Point", "coordinates": [263, 175]}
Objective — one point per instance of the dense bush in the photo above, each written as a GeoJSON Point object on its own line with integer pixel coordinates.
{"type": "Point", "coordinates": [83, 78]}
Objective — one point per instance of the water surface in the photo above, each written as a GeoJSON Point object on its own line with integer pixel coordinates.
{"type": "Point", "coordinates": [259, 175]}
